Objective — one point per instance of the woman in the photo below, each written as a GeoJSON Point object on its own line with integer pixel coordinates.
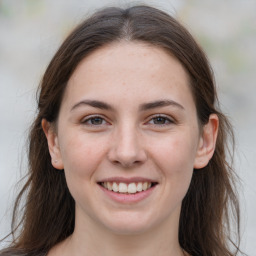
{"type": "Point", "coordinates": [128, 150]}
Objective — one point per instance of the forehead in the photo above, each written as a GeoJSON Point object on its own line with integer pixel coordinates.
{"type": "Point", "coordinates": [130, 69]}
{"type": "Point", "coordinates": [128, 56]}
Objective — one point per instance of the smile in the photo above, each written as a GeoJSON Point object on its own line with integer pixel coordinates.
{"type": "Point", "coordinates": [129, 188]}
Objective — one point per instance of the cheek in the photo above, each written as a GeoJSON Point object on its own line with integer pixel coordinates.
{"type": "Point", "coordinates": [175, 157]}
{"type": "Point", "coordinates": [81, 155]}
{"type": "Point", "coordinates": [176, 150]}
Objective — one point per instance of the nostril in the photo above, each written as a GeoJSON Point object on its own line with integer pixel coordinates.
{"type": "Point", "coordinates": [115, 162]}
{"type": "Point", "coordinates": [127, 155]}
{"type": "Point", "coordinates": [127, 164]}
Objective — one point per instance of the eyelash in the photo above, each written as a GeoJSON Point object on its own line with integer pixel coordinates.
{"type": "Point", "coordinates": [164, 118]}
{"type": "Point", "coordinates": [91, 118]}
{"type": "Point", "coordinates": [89, 121]}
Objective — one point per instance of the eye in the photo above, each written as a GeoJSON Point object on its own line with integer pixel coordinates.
{"type": "Point", "coordinates": [94, 121]}
{"type": "Point", "coordinates": [160, 120]}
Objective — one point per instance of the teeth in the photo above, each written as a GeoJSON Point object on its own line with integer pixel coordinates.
{"type": "Point", "coordinates": [123, 188]}
{"type": "Point", "coordinates": [109, 186]}
{"type": "Point", "coordinates": [144, 186]}
{"type": "Point", "coordinates": [115, 187]}
{"type": "Point", "coordinates": [139, 186]}
{"type": "Point", "coordinates": [130, 188]}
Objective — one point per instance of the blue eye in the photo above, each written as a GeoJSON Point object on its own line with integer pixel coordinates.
{"type": "Point", "coordinates": [96, 120]}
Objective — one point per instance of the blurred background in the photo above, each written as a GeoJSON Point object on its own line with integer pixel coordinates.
{"type": "Point", "coordinates": [32, 30]}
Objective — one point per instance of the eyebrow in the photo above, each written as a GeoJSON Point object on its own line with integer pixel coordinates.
{"type": "Point", "coordinates": [93, 103]}
{"type": "Point", "coordinates": [142, 107]}
{"type": "Point", "coordinates": [160, 103]}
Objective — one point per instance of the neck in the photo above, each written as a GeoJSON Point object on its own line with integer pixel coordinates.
{"type": "Point", "coordinates": [91, 239]}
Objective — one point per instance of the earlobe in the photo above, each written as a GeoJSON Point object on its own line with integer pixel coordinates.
{"type": "Point", "coordinates": [53, 144]}
{"type": "Point", "coordinates": [207, 142]}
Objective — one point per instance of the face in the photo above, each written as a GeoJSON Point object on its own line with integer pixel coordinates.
{"type": "Point", "coordinates": [128, 138]}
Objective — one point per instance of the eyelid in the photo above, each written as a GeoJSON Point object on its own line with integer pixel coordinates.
{"type": "Point", "coordinates": [85, 119]}
{"type": "Point", "coordinates": [170, 120]}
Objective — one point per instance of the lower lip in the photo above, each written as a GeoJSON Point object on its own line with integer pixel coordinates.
{"type": "Point", "coordinates": [128, 198]}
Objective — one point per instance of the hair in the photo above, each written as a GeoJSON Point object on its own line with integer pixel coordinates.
{"type": "Point", "coordinates": [210, 205]}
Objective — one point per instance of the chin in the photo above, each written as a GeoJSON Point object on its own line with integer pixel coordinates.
{"type": "Point", "coordinates": [130, 224]}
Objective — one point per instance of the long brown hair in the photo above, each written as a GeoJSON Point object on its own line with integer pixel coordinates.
{"type": "Point", "coordinates": [211, 201]}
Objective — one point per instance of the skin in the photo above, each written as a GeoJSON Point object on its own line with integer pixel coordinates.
{"type": "Point", "coordinates": [127, 140]}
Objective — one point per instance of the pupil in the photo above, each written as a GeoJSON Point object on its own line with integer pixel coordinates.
{"type": "Point", "coordinates": [160, 120]}
{"type": "Point", "coordinates": [96, 120]}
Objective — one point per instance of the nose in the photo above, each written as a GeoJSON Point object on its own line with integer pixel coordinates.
{"type": "Point", "coordinates": [126, 148]}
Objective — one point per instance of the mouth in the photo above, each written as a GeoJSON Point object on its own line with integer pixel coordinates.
{"type": "Point", "coordinates": [127, 188]}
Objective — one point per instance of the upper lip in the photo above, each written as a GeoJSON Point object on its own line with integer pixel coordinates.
{"type": "Point", "coordinates": [127, 180]}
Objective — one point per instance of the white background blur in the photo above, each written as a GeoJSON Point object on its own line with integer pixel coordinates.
{"type": "Point", "coordinates": [32, 30]}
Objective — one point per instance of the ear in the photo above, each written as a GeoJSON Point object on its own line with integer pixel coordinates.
{"type": "Point", "coordinates": [207, 142]}
{"type": "Point", "coordinates": [53, 144]}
